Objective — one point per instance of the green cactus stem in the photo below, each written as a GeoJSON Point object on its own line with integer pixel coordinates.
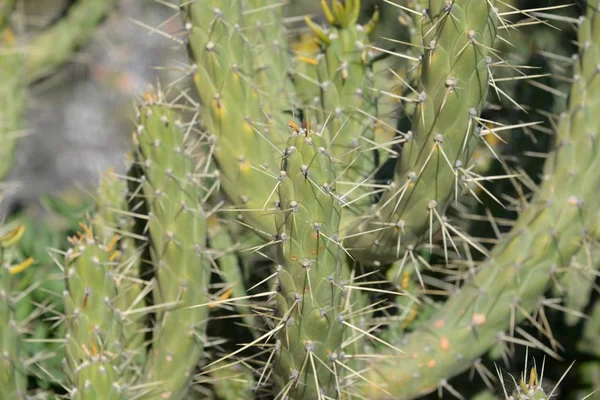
{"type": "Point", "coordinates": [112, 218]}
{"type": "Point", "coordinates": [345, 106]}
{"type": "Point", "coordinates": [93, 326]}
{"type": "Point", "coordinates": [454, 73]}
{"type": "Point", "coordinates": [243, 97]}
{"type": "Point", "coordinates": [176, 227]}
{"type": "Point", "coordinates": [310, 299]}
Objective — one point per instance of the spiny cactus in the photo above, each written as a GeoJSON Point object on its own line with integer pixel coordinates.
{"type": "Point", "coordinates": [176, 228]}
{"type": "Point", "coordinates": [12, 369]}
{"type": "Point", "coordinates": [243, 97]}
{"type": "Point", "coordinates": [342, 220]}
{"type": "Point", "coordinates": [560, 219]}
{"type": "Point", "coordinates": [454, 71]}
{"type": "Point", "coordinates": [311, 294]}
{"type": "Point", "coordinates": [93, 326]}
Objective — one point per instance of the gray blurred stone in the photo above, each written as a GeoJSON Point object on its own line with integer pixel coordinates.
{"type": "Point", "coordinates": [79, 120]}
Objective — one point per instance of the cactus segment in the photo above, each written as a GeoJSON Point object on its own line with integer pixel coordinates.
{"type": "Point", "coordinates": [13, 380]}
{"type": "Point", "coordinates": [453, 85]}
{"type": "Point", "coordinates": [176, 228]}
{"type": "Point", "coordinates": [112, 218]}
{"type": "Point", "coordinates": [345, 106]}
{"type": "Point", "coordinates": [558, 222]}
{"type": "Point", "coordinates": [12, 98]}
{"type": "Point", "coordinates": [310, 295]}
{"type": "Point", "coordinates": [56, 45]}
{"type": "Point", "coordinates": [93, 326]}
{"type": "Point", "coordinates": [243, 98]}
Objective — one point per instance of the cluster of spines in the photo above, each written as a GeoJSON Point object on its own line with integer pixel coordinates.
{"type": "Point", "coordinates": [175, 224]}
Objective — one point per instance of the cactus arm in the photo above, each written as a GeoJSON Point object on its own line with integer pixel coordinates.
{"type": "Point", "coordinates": [310, 300]}
{"type": "Point", "coordinates": [554, 226]}
{"type": "Point", "coordinates": [177, 233]}
{"type": "Point", "coordinates": [93, 328]}
{"type": "Point", "coordinates": [242, 97]}
{"type": "Point", "coordinates": [347, 107]}
{"type": "Point", "coordinates": [56, 45]}
{"type": "Point", "coordinates": [12, 375]}
{"type": "Point", "coordinates": [12, 99]}
{"type": "Point", "coordinates": [111, 217]}
{"type": "Point", "coordinates": [453, 87]}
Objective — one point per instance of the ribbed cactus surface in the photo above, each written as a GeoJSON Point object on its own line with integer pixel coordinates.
{"type": "Point", "coordinates": [242, 97]}
{"type": "Point", "coordinates": [93, 328]}
{"type": "Point", "coordinates": [176, 229]}
{"type": "Point", "coordinates": [311, 292]}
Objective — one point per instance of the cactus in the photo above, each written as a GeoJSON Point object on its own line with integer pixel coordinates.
{"type": "Point", "coordinates": [176, 225]}
{"type": "Point", "coordinates": [310, 299]}
{"type": "Point", "coordinates": [358, 234]}
{"type": "Point", "coordinates": [12, 97]}
{"type": "Point", "coordinates": [93, 326]}
{"type": "Point", "coordinates": [12, 368]}
{"type": "Point", "coordinates": [454, 79]}
{"type": "Point", "coordinates": [112, 218]}
{"type": "Point", "coordinates": [242, 97]}
{"type": "Point", "coordinates": [468, 324]}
